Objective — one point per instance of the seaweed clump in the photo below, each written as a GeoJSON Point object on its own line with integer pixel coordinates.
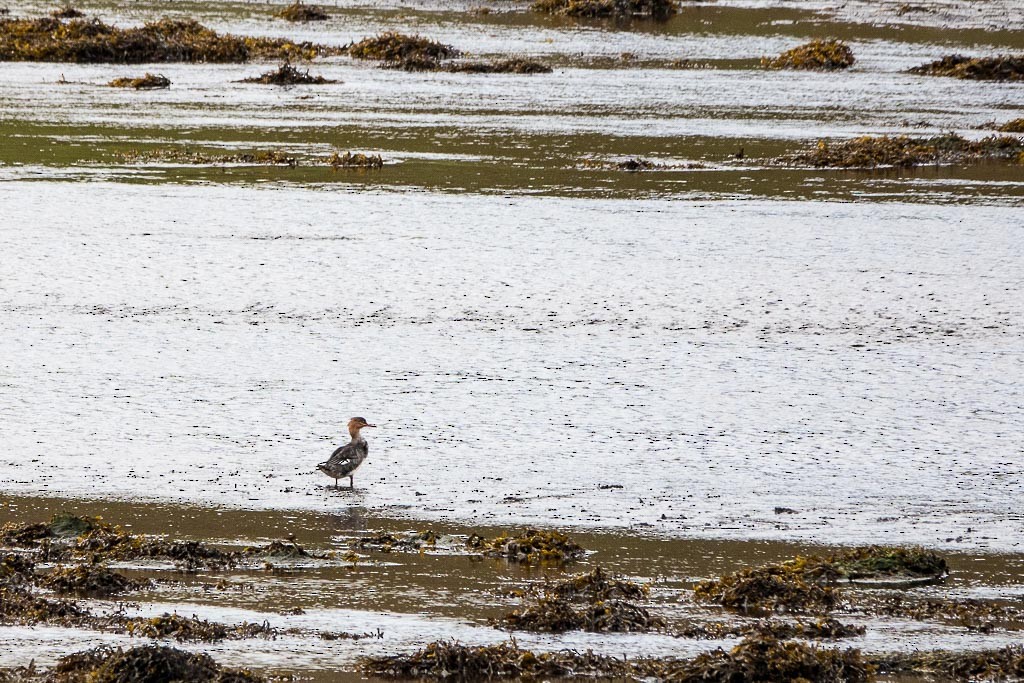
{"type": "Point", "coordinates": [61, 525]}
{"type": "Point", "coordinates": [147, 82]}
{"type": "Point", "coordinates": [146, 664]}
{"type": "Point", "coordinates": [192, 628]}
{"type": "Point", "coordinates": [760, 658]}
{"type": "Point", "coordinates": [808, 582]}
{"type": "Point", "coordinates": [516, 65]}
{"type": "Point", "coordinates": [301, 12]}
{"type": "Point", "coordinates": [396, 47]}
{"type": "Point", "coordinates": [620, 9]}
{"type": "Point", "coordinates": [49, 39]}
{"type": "Point", "coordinates": [1001, 68]}
{"type": "Point", "coordinates": [187, 156]}
{"type": "Point", "coordinates": [19, 606]}
{"type": "Point", "coordinates": [532, 546]}
{"type": "Point", "coordinates": [1014, 126]}
{"type": "Point", "coordinates": [67, 12]}
{"type": "Point", "coordinates": [905, 152]}
{"type": "Point", "coordinates": [450, 659]}
{"type": "Point", "coordinates": [286, 74]}
{"type": "Point", "coordinates": [818, 55]}
{"type": "Point", "coordinates": [588, 602]}
{"type": "Point", "coordinates": [90, 581]}
{"type": "Point", "coordinates": [360, 160]}
{"type": "Point", "coordinates": [279, 550]}
{"type": "Point", "coordinates": [1004, 663]}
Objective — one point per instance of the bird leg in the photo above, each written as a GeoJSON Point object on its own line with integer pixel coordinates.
{"type": "Point", "coordinates": [335, 482]}
{"type": "Point", "coordinates": [351, 485]}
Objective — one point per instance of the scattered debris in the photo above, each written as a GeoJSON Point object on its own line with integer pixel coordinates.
{"type": "Point", "coordinates": [904, 151]}
{"type": "Point", "coordinates": [1001, 68]}
{"type": "Point", "coordinates": [145, 664]}
{"type": "Point", "coordinates": [89, 580]}
{"type": "Point", "coordinates": [531, 547]}
{"type": "Point", "coordinates": [360, 160]}
{"type": "Point", "coordinates": [778, 510]}
{"type": "Point", "coordinates": [620, 9]}
{"type": "Point", "coordinates": [168, 40]}
{"type": "Point", "coordinates": [395, 47]}
{"type": "Point", "coordinates": [824, 55]}
{"type": "Point", "coordinates": [286, 74]}
{"type": "Point", "coordinates": [301, 12]}
{"type": "Point", "coordinates": [147, 82]}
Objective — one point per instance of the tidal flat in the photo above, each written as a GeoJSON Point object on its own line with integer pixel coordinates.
{"type": "Point", "coordinates": [620, 301]}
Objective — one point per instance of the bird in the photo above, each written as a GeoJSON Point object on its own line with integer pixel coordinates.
{"type": "Point", "coordinates": [346, 459]}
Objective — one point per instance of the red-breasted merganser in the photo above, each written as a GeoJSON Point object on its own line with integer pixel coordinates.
{"type": "Point", "coordinates": [344, 461]}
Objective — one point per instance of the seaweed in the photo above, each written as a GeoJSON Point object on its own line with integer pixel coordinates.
{"type": "Point", "coordinates": [976, 665]}
{"type": "Point", "coordinates": [360, 160]}
{"type": "Point", "coordinates": [765, 658]}
{"type": "Point", "coordinates": [972, 614]}
{"type": "Point", "coordinates": [396, 47]}
{"type": "Point", "coordinates": [192, 628]}
{"type": "Point", "coordinates": [286, 74]}
{"type": "Point", "coordinates": [874, 561]}
{"type": "Point", "coordinates": [16, 568]}
{"type": "Point", "coordinates": [281, 550]}
{"type": "Point", "coordinates": [61, 525]}
{"type": "Point", "coordinates": [506, 66]}
{"type": "Point", "coordinates": [19, 606]}
{"type": "Point", "coordinates": [1014, 126]}
{"type": "Point", "coordinates": [903, 151]}
{"type": "Point", "coordinates": [1000, 68]}
{"type": "Point", "coordinates": [532, 546]}
{"type": "Point", "coordinates": [825, 628]}
{"type": "Point", "coordinates": [768, 588]}
{"type": "Point", "coordinates": [186, 156]}
{"type": "Point", "coordinates": [444, 659]}
{"type": "Point", "coordinates": [301, 12]}
{"type": "Point", "coordinates": [147, 82]}
{"type": "Point", "coordinates": [819, 55]}
{"type": "Point", "coordinates": [757, 658]}
{"type": "Point", "coordinates": [90, 581]}
{"type": "Point", "coordinates": [67, 12]}
{"type": "Point", "coordinates": [145, 664]}
{"type": "Point", "coordinates": [550, 614]}
{"type": "Point", "coordinates": [168, 40]}
{"type": "Point", "coordinates": [620, 9]}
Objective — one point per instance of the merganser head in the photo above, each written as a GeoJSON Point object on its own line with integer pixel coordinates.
{"type": "Point", "coordinates": [357, 423]}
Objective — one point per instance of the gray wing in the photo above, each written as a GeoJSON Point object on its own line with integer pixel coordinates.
{"type": "Point", "coordinates": [339, 457]}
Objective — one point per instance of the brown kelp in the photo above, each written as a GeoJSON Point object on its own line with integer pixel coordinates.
{"type": "Point", "coordinates": [147, 82]}
{"type": "Point", "coordinates": [505, 66]}
{"type": "Point", "coordinates": [168, 40]}
{"type": "Point", "coordinates": [67, 12]}
{"type": "Point", "coordinates": [301, 12]}
{"type": "Point", "coordinates": [904, 151]}
{"type": "Point", "coordinates": [1013, 126]}
{"type": "Point", "coordinates": [191, 628]}
{"type": "Point", "coordinates": [820, 55]}
{"type": "Point", "coordinates": [286, 74]}
{"type": "Point", "coordinates": [619, 9]}
{"type": "Point", "coordinates": [1001, 68]}
{"type": "Point", "coordinates": [532, 546]}
{"type": "Point", "coordinates": [360, 160]}
{"type": "Point", "coordinates": [395, 47]}
{"type": "Point", "coordinates": [807, 583]}
{"type": "Point", "coordinates": [145, 664]}
{"type": "Point", "coordinates": [976, 665]}
{"type": "Point", "coordinates": [184, 155]}
{"type": "Point", "coordinates": [758, 658]}
{"type": "Point", "coordinates": [90, 580]}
